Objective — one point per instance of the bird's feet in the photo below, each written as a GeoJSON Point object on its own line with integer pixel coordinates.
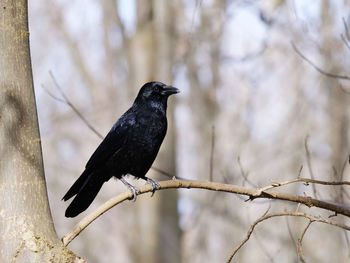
{"type": "Point", "coordinates": [133, 189]}
{"type": "Point", "coordinates": [155, 185]}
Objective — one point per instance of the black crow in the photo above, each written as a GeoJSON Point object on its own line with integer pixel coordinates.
{"type": "Point", "coordinates": [130, 147]}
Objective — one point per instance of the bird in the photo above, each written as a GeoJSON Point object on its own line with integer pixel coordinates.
{"type": "Point", "coordinates": [130, 147]}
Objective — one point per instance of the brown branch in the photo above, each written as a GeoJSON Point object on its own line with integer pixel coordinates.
{"type": "Point", "coordinates": [300, 240]}
{"type": "Point", "coordinates": [250, 231]}
{"type": "Point", "coordinates": [174, 184]}
{"type": "Point", "coordinates": [260, 243]}
{"type": "Point", "coordinates": [295, 214]}
{"type": "Point", "coordinates": [323, 72]}
{"type": "Point", "coordinates": [306, 181]}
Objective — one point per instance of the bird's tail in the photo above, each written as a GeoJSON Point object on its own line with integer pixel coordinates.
{"type": "Point", "coordinates": [85, 188]}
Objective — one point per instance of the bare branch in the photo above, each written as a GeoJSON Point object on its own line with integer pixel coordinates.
{"type": "Point", "coordinates": [346, 42]}
{"type": "Point", "coordinates": [346, 37]}
{"type": "Point", "coordinates": [174, 184]}
{"type": "Point", "coordinates": [260, 243]}
{"type": "Point", "coordinates": [307, 181]}
{"type": "Point", "coordinates": [347, 34]}
{"type": "Point", "coordinates": [331, 75]}
{"type": "Point", "coordinates": [68, 102]}
{"type": "Point", "coordinates": [250, 231]}
{"type": "Point", "coordinates": [295, 214]}
{"type": "Point", "coordinates": [245, 174]}
{"type": "Point", "coordinates": [309, 165]}
{"type": "Point", "coordinates": [300, 240]}
{"type": "Point", "coordinates": [211, 165]}
{"type": "Point", "coordinates": [52, 95]}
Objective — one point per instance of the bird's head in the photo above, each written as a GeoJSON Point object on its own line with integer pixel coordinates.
{"type": "Point", "coordinates": [155, 92]}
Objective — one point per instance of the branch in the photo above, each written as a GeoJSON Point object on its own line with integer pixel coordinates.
{"type": "Point", "coordinates": [306, 181]}
{"type": "Point", "coordinates": [211, 164]}
{"type": "Point", "coordinates": [70, 104]}
{"type": "Point", "coordinates": [295, 214]}
{"type": "Point", "coordinates": [245, 174]}
{"type": "Point", "coordinates": [309, 165]}
{"type": "Point", "coordinates": [328, 74]}
{"type": "Point", "coordinates": [174, 184]}
{"type": "Point", "coordinates": [300, 240]}
{"type": "Point", "coordinates": [346, 37]}
{"type": "Point", "coordinates": [250, 231]}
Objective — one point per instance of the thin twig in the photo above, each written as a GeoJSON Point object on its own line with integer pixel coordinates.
{"type": "Point", "coordinates": [68, 102]}
{"type": "Point", "coordinates": [260, 243]}
{"type": "Point", "coordinates": [346, 37]}
{"type": "Point", "coordinates": [250, 231]}
{"type": "Point", "coordinates": [211, 165]}
{"type": "Point", "coordinates": [331, 75]}
{"type": "Point", "coordinates": [295, 214]}
{"type": "Point", "coordinates": [300, 240]}
{"type": "Point", "coordinates": [245, 174]}
{"type": "Point", "coordinates": [347, 34]}
{"type": "Point", "coordinates": [309, 165]}
{"type": "Point", "coordinates": [347, 241]}
{"type": "Point", "coordinates": [306, 181]}
{"type": "Point", "coordinates": [175, 184]}
{"type": "Point", "coordinates": [346, 41]}
{"type": "Point", "coordinates": [342, 189]}
{"type": "Point", "coordinates": [300, 170]}
{"type": "Point", "coordinates": [52, 95]}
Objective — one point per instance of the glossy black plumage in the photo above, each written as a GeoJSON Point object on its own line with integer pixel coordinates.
{"type": "Point", "coordinates": [130, 147]}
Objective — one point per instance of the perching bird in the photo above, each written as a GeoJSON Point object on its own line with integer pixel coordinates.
{"type": "Point", "coordinates": [130, 147]}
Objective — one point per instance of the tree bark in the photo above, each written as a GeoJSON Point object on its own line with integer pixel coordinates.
{"type": "Point", "coordinates": [27, 233]}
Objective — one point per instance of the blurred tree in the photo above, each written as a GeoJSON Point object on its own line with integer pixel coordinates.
{"type": "Point", "coordinates": [152, 59]}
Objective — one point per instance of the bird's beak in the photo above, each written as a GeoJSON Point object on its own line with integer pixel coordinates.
{"type": "Point", "coordinates": [169, 90]}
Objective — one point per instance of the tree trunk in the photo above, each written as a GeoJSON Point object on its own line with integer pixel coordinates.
{"type": "Point", "coordinates": [168, 232]}
{"type": "Point", "coordinates": [27, 233]}
{"type": "Point", "coordinates": [151, 58]}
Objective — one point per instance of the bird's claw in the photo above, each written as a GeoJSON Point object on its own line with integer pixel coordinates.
{"type": "Point", "coordinates": [134, 191]}
{"type": "Point", "coordinates": [155, 185]}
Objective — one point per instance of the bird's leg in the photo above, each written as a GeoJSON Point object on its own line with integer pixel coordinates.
{"type": "Point", "coordinates": [133, 189]}
{"type": "Point", "coordinates": [155, 185]}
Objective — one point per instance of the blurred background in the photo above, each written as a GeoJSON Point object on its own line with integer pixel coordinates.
{"type": "Point", "coordinates": [251, 111]}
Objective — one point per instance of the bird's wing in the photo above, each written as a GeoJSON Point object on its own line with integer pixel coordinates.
{"type": "Point", "coordinates": [113, 142]}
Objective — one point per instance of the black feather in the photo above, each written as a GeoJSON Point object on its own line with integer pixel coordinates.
{"type": "Point", "coordinates": [130, 147]}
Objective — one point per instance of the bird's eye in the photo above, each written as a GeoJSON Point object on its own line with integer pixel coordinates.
{"type": "Point", "coordinates": [156, 88]}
